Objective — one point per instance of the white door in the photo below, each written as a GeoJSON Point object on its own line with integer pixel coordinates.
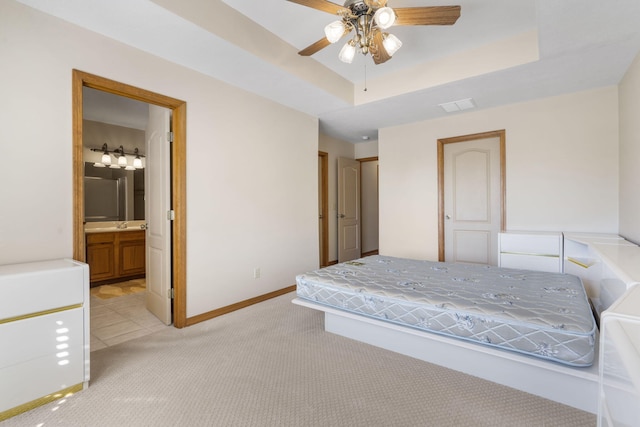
{"type": "Point", "coordinates": [472, 206]}
{"type": "Point", "coordinates": [348, 209]}
{"type": "Point", "coordinates": [157, 207]}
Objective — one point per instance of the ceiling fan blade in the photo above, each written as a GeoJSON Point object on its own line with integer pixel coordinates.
{"type": "Point", "coordinates": [317, 46]}
{"type": "Point", "coordinates": [375, 4]}
{"type": "Point", "coordinates": [323, 5]}
{"type": "Point", "coordinates": [430, 15]}
{"type": "Point", "coordinates": [379, 53]}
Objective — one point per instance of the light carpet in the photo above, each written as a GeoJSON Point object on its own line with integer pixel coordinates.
{"type": "Point", "coordinates": [272, 364]}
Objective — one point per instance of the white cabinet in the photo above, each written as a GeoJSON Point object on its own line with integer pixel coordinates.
{"type": "Point", "coordinates": [541, 251]}
{"type": "Point", "coordinates": [606, 263]}
{"type": "Point", "coordinates": [619, 383]}
{"type": "Point", "coordinates": [44, 331]}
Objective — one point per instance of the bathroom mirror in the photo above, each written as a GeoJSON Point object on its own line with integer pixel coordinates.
{"type": "Point", "coordinates": [113, 194]}
{"type": "Point", "coordinates": [113, 122]}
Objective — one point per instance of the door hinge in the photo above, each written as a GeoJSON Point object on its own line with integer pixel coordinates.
{"type": "Point", "coordinates": [171, 293]}
{"type": "Point", "coordinates": [171, 215]}
{"type": "Point", "coordinates": [170, 136]}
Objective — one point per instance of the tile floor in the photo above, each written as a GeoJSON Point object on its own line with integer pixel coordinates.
{"type": "Point", "coordinates": [120, 319]}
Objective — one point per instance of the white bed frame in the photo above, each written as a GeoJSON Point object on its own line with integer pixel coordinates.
{"type": "Point", "coordinates": [612, 268]}
{"type": "Point", "coordinates": [576, 387]}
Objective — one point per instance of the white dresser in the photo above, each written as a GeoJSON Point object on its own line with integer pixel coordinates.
{"type": "Point", "coordinates": [531, 250]}
{"type": "Point", "coordinates": [44, 333]}
{"type": "Point", "coordinates": [619, 396]}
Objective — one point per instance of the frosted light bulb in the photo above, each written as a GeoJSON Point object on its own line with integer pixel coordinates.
{"type": "Point", "coordinates": [384, 17]}
{"type": "Point", "coordinates": [334, 31]}
{"type": "Point", "coordinates": [347, 53]}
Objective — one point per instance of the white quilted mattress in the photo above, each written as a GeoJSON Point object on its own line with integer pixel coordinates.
{"type": "Point", "coordinates": [546, 315]}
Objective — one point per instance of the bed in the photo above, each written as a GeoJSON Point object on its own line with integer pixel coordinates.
{"type": "Point", "coordinates": [533, 331]}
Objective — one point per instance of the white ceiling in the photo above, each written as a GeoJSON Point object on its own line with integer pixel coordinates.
{"type": "Point", "coordinates": [499, 52]}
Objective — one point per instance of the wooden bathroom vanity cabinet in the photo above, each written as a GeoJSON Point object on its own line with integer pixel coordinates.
{"type": "Point", "coordinates": [116, 255]}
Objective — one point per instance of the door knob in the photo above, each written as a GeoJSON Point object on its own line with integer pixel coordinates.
{"type": "Point", "coordinates": [341, 216]}
{"type": "Point", "coordinates": [447, 216]}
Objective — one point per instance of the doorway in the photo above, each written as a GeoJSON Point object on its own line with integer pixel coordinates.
{"type": "Point", "coordinates": [471, 197]}
{"type": "Point", "coordinates": [178, 177]}
{"type": "Point", "coordinates": [323, 207]}
{"type": "Point", "coordinates": [369, 178]}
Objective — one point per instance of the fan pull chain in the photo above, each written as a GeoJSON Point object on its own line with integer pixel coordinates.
{"type": "Point", "coordinates": [365, 76]}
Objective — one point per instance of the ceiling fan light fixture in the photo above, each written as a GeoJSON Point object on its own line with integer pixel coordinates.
{"type": "Point", "coordinates": [347, 52]}
{"type": "Point", "coordinates": [384, 17]}
{"type": "Point", "coordinates": [334, 31]}
{"type": "Point", "coordinates": [391, 43]}
{"type": "Point", "coordinates": [369, 19]}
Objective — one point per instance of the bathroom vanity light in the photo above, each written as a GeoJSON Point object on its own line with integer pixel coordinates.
{"type": "Point", "coordinates": [122, 158]}
{"type": "Point", "coordinates": [121, 155]}
{"type": "Point", "coordinates": [106, 157]}
{"type": "Point", "coordinates": [137, 162]}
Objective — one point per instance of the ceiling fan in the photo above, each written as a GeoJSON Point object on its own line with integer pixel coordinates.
{"type": "Point", "coordinates": [368, 19]}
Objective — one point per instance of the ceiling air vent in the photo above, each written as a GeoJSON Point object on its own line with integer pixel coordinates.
{"type": "Point", "coordinates": [462, 104]}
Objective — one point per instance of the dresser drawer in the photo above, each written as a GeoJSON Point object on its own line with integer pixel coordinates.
{"type": "Point", "coordinates": [552, 264]}
{"type": "Point", "coordinates": [55, 283]}
{"type": "Point", "coordinates": [531, 243]}
{"type": "Point", "coordinates": [47, 354]}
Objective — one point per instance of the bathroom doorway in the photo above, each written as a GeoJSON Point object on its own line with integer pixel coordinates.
{"type": "Point", "coordinates": [176, 297]}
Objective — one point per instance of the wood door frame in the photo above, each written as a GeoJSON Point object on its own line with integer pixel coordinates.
{"type": "Point", "coordinates": [501, 134]}
{"type": "Point", "coordinates": [82, 79]}
{"type": "Point", "coordinates": [324, 161]}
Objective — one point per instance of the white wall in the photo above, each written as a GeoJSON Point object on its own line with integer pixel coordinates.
{"type": "Point", "coordinates": [561, 169]}
{"type": "Point", "coordinates": [364, 150]}
{"type": "Point", "coordinates": [629, 96]}
{"type": "Point", "coordinates": [251, 182]}
{"type": "Point", "coordinates": [335, 148]}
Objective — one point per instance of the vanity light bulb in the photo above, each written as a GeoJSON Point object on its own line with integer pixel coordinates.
{"type": "Point", "coordinates": [106, 159]}
{"type": "Point", "coordinates": [137, 163]}
{"type": "Point", "coordinates": [122, 161]}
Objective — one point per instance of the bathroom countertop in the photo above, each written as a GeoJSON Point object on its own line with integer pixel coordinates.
{"type": "Point", "coordinates": [112, 226]}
